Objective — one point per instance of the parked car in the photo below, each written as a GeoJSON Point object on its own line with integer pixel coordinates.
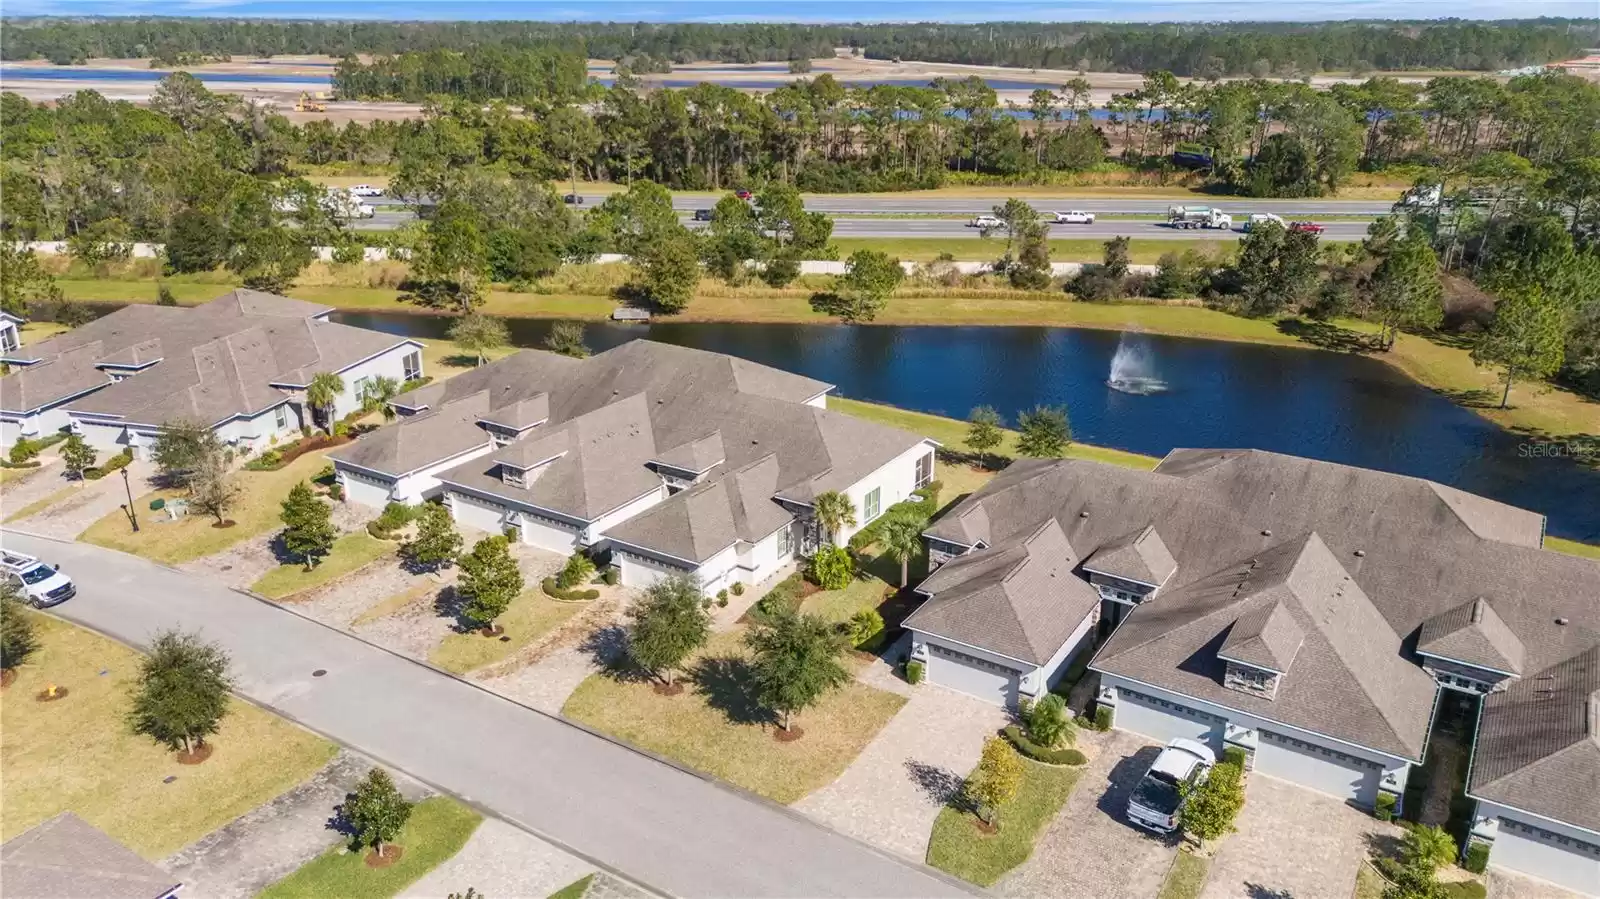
{"type": "Point", "coordinates": [1074, 217]}
{"type": "Point", "coordinates": [1257, 219]}
{"type": "Point", "coordinates": [702, 215]}
{"type": "Point", "coordinates": [986, 222]}
{"type": "Point", "coordinates": [40, 583]}
{"type": "Point", "coordinates": [1306, 227]}
{"type": "Point", "coordinates": [1158, 796]}
{"type": "Point", "coordinates": [572, 199]}
{"type": "Point", "coordinates": [366, 190]}
{"type": "Point", "coordinates": [744, 194]}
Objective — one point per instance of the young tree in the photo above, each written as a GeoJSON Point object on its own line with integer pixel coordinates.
{"type": "Point", "coordinates": [795, 658]}
{"type": "Point", "coordinates": [376, 811]}
{"type": "Point", "coordinates": [23, 282]}
{"type": "Point", "coordinates": [669, 268]}
{"type": "Point", "coordinates": [900, 539]}
{"type": "Point", "coordinates": [668, 624]}
{"type": "Point", "coordinates": [1019, 217]}
{"type": "Point", "coordinates": [179, 447]}
{"type": "Point", "coordinates": [17, 639]}
{"type": "Point", "coordinates": [1031, 270]}
{"type": "Point", "coordinates": [490, 579]}
{"type": "Point", "coordinates": [308, 531]}
{"type": "Point", "coordinates": [437, 543]}
{"type": "Point", "coordinates": [566, 338]}
{"type": "Point", "coordinates": [479, 334]}
{"type": "Point", "coordinates": [212, 487]}
{"type": "Point", "coordinates": [870, 276]}
{"type": "Point", "coordinates": [1208, 809]}
{"type": "Point", "coordinates": [1045, 432]}
{"type": "Point", "coordinates": [76, 455]}
{"type": "Point", "coordinates": [983, 432]}
{"type": "Point", "coordinates": [321, 395]}
{"type": "Point", "coordinates": [995, 781]}
{"type": "Point", "coordinates": [181, 693]}
{"type": "Point", "coordinates": [1527, 339]}
{"type": "Point", "coordinates": [164, 296]}
{"type": "Point", "coordinates": [377, 393]}
{"type": "Point", "coordinates": [834, 512]}
{"type": "Point", "coordinates": [1405, 287]}
{"type": "Point", "coordinates": [452, 264]}
{"type": "Point", "coordinates": [1048, 721]}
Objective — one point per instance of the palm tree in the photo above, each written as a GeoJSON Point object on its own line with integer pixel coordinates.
{"type": "Point", "coordinates": [834, 512]}
{"type": "Point", "coordinates": [321, 394]}
{"type": "Point", "coordinates": [377, 393]}
{"type": "Point", "coordinates": [901, 537]}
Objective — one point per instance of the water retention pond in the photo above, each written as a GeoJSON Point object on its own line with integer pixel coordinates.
{"type": "Point", "coordinates": [1174, 392]}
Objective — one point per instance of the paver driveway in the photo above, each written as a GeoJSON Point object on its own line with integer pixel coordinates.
{"type": "Point", "coordinates": [891, 794]}
{"type": "Point", "coordinates": [1293, 842]}
{"type": "Point", "coordinates": [1090, 850]}
{"type": "Point", "coordinates": [1505, 885]}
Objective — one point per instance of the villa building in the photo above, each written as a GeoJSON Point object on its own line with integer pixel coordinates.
{"type": "Point", "coordinates": [1307, 613]}
{"type": "Point", "coordinates": [674, 460]}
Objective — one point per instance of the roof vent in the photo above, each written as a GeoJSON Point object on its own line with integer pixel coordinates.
{"type": "Point", "coordinates": [1083, 514]}
{"type": "Point", "coordinates": [1561, 621]}
{"type": "Point", "coordinates": [1266, 532]}
{"type": "Point", "coordinates": [1477, 611]}
{"type": "Point", "coordinates": [1361, 553]}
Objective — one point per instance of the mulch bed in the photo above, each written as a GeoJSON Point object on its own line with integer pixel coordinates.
{"type": "Point", "coordinates": [193, 756]}
{"type": "Point", "coordinates": [667, 689]}
{"type": "Point", "coordinates": [787, 736]}
{"type": "Point", "coordinates": [494, 631]}
{"type": "Point", "coordinates": [224, 524]}
{"type": "Point", "coordinates": [391, 854]}
{"type": "Point", "coordinates": [47, 696]}
{"type": "Point", "coordinates": [985, 827]}
{"type": "Point", "coordinates": [7, 676]}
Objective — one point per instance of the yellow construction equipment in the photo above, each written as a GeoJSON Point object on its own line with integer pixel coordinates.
{"type": "Point", "coordinates": [307, 103]}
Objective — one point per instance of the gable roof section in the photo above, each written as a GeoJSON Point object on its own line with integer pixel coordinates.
{"type": "Point", "coordinates": [1474, 634]}
{"type": "Point", "coordinates": [1266, 636]}
{"type": "Point", "coordinates": [417, 441]}
{"type": "Point", "coordinates": [1140, 557]}
{"type": "Point", "coordinates": [697, 523]}
{"type": "Point", "coordinates": [71, 372]}
{"type": "Point", "coordinates": [1538, 745]}
{"type": "Point", "coordinates": [697, 456]}
{"type": "Point", "coordinates": [66, 856]}
{"type": "Point", "coordinates": [245, 301]}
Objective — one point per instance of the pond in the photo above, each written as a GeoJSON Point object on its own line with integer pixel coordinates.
{"type": "Point", "coordinates": [1175, 392]}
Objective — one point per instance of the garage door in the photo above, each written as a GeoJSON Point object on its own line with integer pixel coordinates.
{"type": "Point", "coordinates": [1540, 853]}
{"type": "Point", "coordinates": [548, 534]}
{"type": "Point", "coordinates": [640, 572]}
{"type": "Point", "coordinates": [972, 675]}
{"type": "Point", "coordinates": [1318, 768]}
{"type": "Point", "coordinates": [1164, 720]}
{"type": "Point", "coordinates": [476, 513]}
{"type": "Point", "coordinates": [365, 491]}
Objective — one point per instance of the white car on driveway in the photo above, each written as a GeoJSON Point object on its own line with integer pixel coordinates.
{"type": "Point", "coordinates": [40, 583]}
{"type": "Point", "coordinates": [1158, 796]}
{"type": "Point", "coordinates": [1075, 217]}
{"type": "Point", "coordinates": [986, 222]}
{"type": "Point", "coordinates": [366, 190]}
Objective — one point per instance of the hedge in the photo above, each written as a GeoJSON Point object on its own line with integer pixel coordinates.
{"type": "Point", "coordinates": [913, 672]}
{"type": "Point", "coordinates": [1102, 718]}
{"type": "Point", "coordinates": [1233, 755]}
{"type": "Point", "coordinates": [277, 457]}
{"type": "Point", "coordinates": [393, 517]}
{"type": "Point", "coordinates": [1477, 858]}
{"type": "Point", "coordinates": [414, 384]}
{"type": "Point", "coordinates": [1032, 750]}
{"type": "Point", "coordinates": [119, 461]}
{"type": "Point", "coordinates": [555, 592]}
{"type": "Point", "coordinates": [921, 509]}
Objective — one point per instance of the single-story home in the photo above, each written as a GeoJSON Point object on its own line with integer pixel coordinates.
{"type": "Point", "coordinates": [1305, 612]}
{"type": "Point", "coordinates": [674, 460]}
{"type": "Point", "coordinates": [240, 363]}
{"type": "Point", "coordinates": [66, 857]}
{"type": "Point", "coordinates": [10, 331]}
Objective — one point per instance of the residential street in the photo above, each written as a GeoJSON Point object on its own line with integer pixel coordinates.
{"type": "Point", "coordinates": [671, 831]}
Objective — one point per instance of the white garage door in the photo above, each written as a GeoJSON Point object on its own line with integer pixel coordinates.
{"type": "Point", "coordinates": [640, 572]}
{"type": "Point", "coordinates": [548, 534]}
{"type": "Point", "coordinates": [1540, 853]}
{"type": "Point", "coordinates": [365, 491]}
{"type": "Point", "coordinates": [1319, 768]}
{"type": "Point", "coordinates": [1164, 720]}
{"type": "Point", "coordinates": [475, 513]}
{"type": "Point", "coordinates": [972, 675]}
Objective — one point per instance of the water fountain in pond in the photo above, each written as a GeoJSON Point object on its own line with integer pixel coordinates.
{"type": "Point", "coordinates": [1132, 370]}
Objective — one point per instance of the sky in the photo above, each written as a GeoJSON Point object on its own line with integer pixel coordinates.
{"type": "Point", "coordinates": [820, 10]}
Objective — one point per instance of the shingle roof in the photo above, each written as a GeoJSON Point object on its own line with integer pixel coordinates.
{"type": "Point", "coordinates": [698, 455]}
{"type": "Point", "coordinates": [1538, 744]}
{"type": "Point", "coordinates": [416, 441]}
{"type": "Point", "coordinates": [67, 857]}
{"type": "Point", "coordinates": [1266, 636]}
{"type": "Point", "coordinates": [1021, 601]}
{"type": "Point", "coordinates": [1141, 557]}
{"type": "Point", "coordinates": [71, 372]}
{"type": "Point", "coordinates": [256, 302]}
{"type": "Point", "coordinates": [700, 522]}
{"type": "Point", "coordinates": [1472, 633]}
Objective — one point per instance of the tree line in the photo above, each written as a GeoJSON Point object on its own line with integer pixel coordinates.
{"type": "Point", "coordinates": [1197, 49]}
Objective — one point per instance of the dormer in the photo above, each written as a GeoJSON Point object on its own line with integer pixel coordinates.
{"type": "Point", "coordinates": [690, 463]}
{"type": "Point", "coordinates": [1132, 569]}
{"type": "Point", "coordinates": [510, 422]}
{"type": "Point", "coordinates": [1470, 648]}
{"type": "Point", "coordinates": [1259, 649]}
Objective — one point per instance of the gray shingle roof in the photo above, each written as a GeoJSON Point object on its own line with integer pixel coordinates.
{"type": "Point", "coordinates": [71, 372]}
{"type": "Point", "coordinates": [67, 857]}
{"type": "Point", "coordinates": [1266, 636]}
{"type": "Point", "coordinates": [416, 441]}
{"type": "Point", "coordinates": [1141, 557]}
{"type": "Point", "coordinates": [700, 522]}
{"type": "Point", "coordinates": [1021, 601]}
{"type": "Point", "coordinates": [699, 455]}
{"type": "Point", "coordinates": [1472, 633]}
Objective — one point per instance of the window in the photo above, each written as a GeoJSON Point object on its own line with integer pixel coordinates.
{"type": "Point", "coordinates": [872, 505]}
{"type": "Point", "coordinates": [282, 417]}
{"type": "Point", "coordinates": [786, 542]}
{"type": "Point", "coordinates": [925, 470]}
{"type": "Point", "coordinates": [413, 365]}
{"type": "Point", "coordinates": [513, 476]}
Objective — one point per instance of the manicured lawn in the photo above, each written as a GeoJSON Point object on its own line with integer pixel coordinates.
{"type": "Point", "coordinates": [392, 604]}
{"type": "Point", "coordinates": [574, 890]}
{"type": "Point", "coordinates": [953, 435]}
{"type": "Point", "coordinates": [437, 830]}
{"type": "Point", "coordinates": [715, 725]}
{"type": "Point", "coordinates": [350, 552]}
{"type": "Point", "coordinates": [863, 593]}
{"type": "Point", "coordinates": [1187, 877]}
{"type": "Point", "coordinates": [1572, 547]}
{"type": "Point", "coordinates": [960, 848]}
{"type": "Point", "coordinates": [531, 616]}
{"type": "Point", "coordinates": [77, 754]}
{"type": "Point", "coordinates": [192, 536]}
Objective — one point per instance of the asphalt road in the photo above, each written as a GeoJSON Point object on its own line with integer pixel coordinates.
{"type": "Point", "coordinates": [672, 831]}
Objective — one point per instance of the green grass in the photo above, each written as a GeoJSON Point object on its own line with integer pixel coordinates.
{"type": "Point", "coordinates": [1572, 547]}
{"type": "Point", "coordinates": [437, 830]}
{"type": "Point", "coordinates": [958, 847]}
{"type": "Point", "coordinates": [350, 552]}
{"type": "Point", "coordinates": [1187, 877]}
{"type": "Point", "coordinates": [838, 605]}
{"type": "Point", "coordinates": [574, 890]}
{"type": "Point", "coordinates": [39, 505]}
{"type": "Point", "coordinates": [715, 726]}
{"type": "Point", "coordinates": [1369, 883]}
{"type": "Point", "coordinates": [192, 537]}
{"type": "Point", "coordinates": [77, 754]}
{"type": "Point", "coordinates": [530, 616]}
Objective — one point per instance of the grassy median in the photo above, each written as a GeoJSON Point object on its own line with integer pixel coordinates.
{"type": "Point", "coordinates": [530, 616]}
{"type": "Point", "coordinates": [958, 847]}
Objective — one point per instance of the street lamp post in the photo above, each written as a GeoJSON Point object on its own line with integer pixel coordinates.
{"type": "Point", "coordinates": [133, 515]}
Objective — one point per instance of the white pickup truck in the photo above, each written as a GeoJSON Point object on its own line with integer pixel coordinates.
{"type": "Point", "coordinates": [1158, 796]}
{"type": "Point", "coordinates": [1075, 217]}
{"type": "Point", "coordinates": [39, 583]}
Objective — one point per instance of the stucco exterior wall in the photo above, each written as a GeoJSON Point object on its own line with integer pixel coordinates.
{"type": "Point", "coordinates": [895, 481]}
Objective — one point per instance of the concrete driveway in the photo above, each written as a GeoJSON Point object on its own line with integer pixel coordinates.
{"type": "Point", "coordinates": [1293, 842]}
{"type": "Point", "coordinates": [1091, 850]}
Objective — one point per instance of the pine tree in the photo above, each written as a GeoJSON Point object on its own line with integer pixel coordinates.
{"type": "Point", "coordinates": [437, 542]}
{"type": "Point", "coordinates": [668, 624]}
{"type": "Point", "coordinates": [1527, 339]}
{"type": "Point", "coordinates": [1406, 290]}
{"type": "Point", "coordinates": [308, 532]}
{"type": "Point", "coordinates": [181, 694]}
{"type": "Point", "coordinates": [995, 781]}
{"type": "Point", "coordinates": [77, 455]}
{"type": "Point", "coordinates": [376, 812]}
{"type": "Point", "coordinates": [490, 579]}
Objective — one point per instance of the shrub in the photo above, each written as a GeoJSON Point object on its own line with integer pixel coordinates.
{"type": "Point", "coordinates": [1102, 717]}
{"type": "Point", "coordinates": [578, 570]}
{"type": "Point", "coordinates": [23, 451]}
{"type": "Point", "coordinates": [737, 588]}
{"type": "Point", "coordinates": [271, 460]}
{"type": "Point", "coordinates": [393, 517]}
{"type": "Point", "coordinates": [831, 568]}
{"type": "Point", "coordinates": [119, 461]}
{"type": "Point", "coordinates": [336, 491]}
{"type": "Point", "coordinates": [783, 598]}
{"type": "Point", "coordinates": [512, 533]}
{"type": "Point", "coordinates": [553, 590]}
{"type": "Point", "coordinates": [611, 575]}
{"type": "Point", "coordinates": [864, 627]}
{"type": "Point", "coordinates": [914, 671]}
{"type": "Point", "coordinates": [1384, 810]}
{"type": "Point", "coordinates": [920, 508]}
{"type": "Point", "coordinates": [1048, 723]}
{"type": "Point", "coordinates": [722, 599]}
{"type": "Point", "coordinates": [1477, 858]}
{"type": "Point", "coordinates": [1233, 755]}
{"type": "Point", "coordinates": [1032, 750]}
{"type": "Point", "coordinates": [341, 429]}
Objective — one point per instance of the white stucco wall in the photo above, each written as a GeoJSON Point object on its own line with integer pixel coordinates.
{"type": "Point", "coordinates": [1574, 865]}
{"type": "Point", "coordinates": [548, 532]}
{"type": "Point", "coordinates": [895, 480]}
{"type": "Point", "coordinates": [39, 424]}
{"type": "Point", "coordinates": [390, 363]}
{"type": "Point", "coordinates": [411, 488]}
{"type": "Point", "coordinates": [596, 530]}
